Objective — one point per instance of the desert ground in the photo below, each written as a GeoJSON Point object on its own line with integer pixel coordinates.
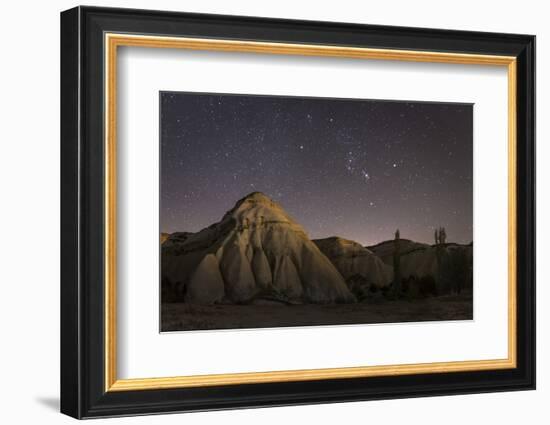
{"type": "Point", "coordinates": [184, 316]}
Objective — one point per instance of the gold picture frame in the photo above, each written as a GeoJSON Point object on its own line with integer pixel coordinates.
{"type": "Point", "coordinates": [114, 41]}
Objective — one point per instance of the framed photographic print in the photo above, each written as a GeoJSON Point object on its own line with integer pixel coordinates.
{"type": "Point", "coordinates": [261, 212]}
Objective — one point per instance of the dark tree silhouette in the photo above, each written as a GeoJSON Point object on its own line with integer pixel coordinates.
{"type": "Point", "coordinates": [442, 235]}
{"type": "Point", "coordinates": [397, 263]}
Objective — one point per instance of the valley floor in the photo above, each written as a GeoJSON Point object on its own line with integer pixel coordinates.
{"type": "Point", "coordinates": [183, 317]}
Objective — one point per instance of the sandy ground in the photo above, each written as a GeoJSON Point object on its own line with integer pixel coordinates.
{"type": "Point", "coordinates": [181, 317]}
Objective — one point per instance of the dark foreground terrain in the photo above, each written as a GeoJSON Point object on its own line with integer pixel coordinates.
{"type": "Point", "coordinates": [185, 317]}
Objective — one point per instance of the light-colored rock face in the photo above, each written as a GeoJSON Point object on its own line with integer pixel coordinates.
{"type": "Point", "coordinates": [352, 259]}
{"type": "Point", "coordinates": [257, 210]}
{"type": "Point", "coordinates": [259, 251]}
{"type": "Point", "coordinates": [206, 283]}
{"type": "Point", "coordinates": [335, 247]}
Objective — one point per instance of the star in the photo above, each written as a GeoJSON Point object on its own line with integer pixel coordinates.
{"type": "Point", "coordinates": [327, 162]}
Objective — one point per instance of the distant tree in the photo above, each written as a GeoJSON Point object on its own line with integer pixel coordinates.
{"type": "Point", "coordinates": [442, 235]}
{"type": "Point", "coordinates": [443, 277]}
{"type": "Point", "coordinates": [439, 255]}
{"type": "Point", "coordinates": [397, 262]}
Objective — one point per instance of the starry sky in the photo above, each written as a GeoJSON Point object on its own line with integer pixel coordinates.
{"type": "Point", "coordinates": [357, 169]}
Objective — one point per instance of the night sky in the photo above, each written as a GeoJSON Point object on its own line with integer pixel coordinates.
{"type": "Point", "coordinates": [357, 169]}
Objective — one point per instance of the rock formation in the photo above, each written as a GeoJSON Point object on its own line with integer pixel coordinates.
{"type": "Point", "coordinates": [449, 265]}
{"type": "Point", "coordinates": [352, 259]}
{"type": "Point", "coordinates": [385, 250]}
{"type": "Point", "coordinates": [256, 251]}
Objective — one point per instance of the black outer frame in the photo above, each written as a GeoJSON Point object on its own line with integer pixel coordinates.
{"type": "Point", "coordinates": [82, 218]}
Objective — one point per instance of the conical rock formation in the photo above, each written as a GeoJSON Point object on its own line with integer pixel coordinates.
{"type": "Point", "coordinates": [256, 250]}
{"type": "Point", "coordinates": [352, 259]}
